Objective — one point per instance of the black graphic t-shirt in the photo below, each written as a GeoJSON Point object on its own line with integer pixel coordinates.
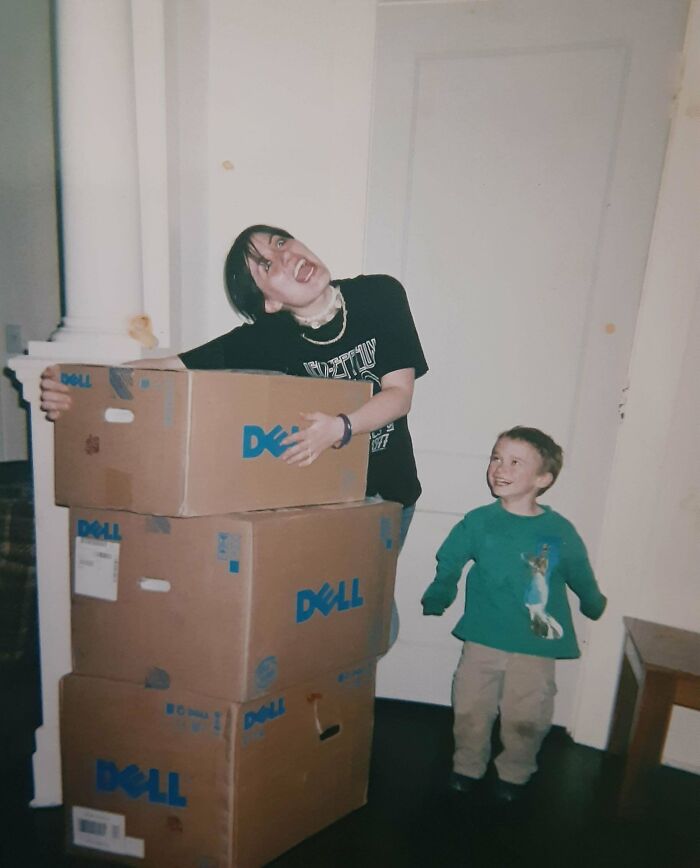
{"type": "Point", "coordinates": [380, 337]}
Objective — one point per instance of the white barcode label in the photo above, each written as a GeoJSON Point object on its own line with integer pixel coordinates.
{"type": "Point", "coordinates": [90, 827]}
{"type": "Point", "coordinates": [96, 568]}
{"type": "Point", "coordinates": [102, 830]}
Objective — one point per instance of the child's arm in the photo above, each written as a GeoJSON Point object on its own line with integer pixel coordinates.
{"type": "Point", "coordinates": [581, 580]}
{"type": "Point", "coordinates": [451, 557]}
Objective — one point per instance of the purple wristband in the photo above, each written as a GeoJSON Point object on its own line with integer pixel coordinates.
{"type": "Point", "coordinates": [347, 432]}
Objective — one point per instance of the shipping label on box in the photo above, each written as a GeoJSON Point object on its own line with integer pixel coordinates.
{"type": "Point", "coordinates": [234, 606]}
{"type": "Point", "coordinates": [165, 777]}
{"type": "Point", "coordinates": [185, 443]}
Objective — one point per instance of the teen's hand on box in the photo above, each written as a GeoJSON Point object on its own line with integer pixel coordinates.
{"type": "Point", "coordinates": [54, 395]}
{"type": "Point", "coordinates": [306, 445]}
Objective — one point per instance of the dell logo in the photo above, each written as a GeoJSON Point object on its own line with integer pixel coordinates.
{"type": "Point", "coordinates": [270, 711]}
{"type": "Point", "coordinates": [135, 783]}
{"type": "Point", "coordinates": [99, 530]}
{"type": "Point", "coordinates": [256, 440]}
{"type": "Point", "coordinates": [79, 381]}
{"type": "Point", "coordinates": [326, 599]}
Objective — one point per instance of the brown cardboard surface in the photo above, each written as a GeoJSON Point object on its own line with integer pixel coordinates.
{"type": "Point", "coordinates": [172, 778]}
{"type": "Point", "coordinates": [233, 606]}
{"type": "Point", "coordinates": [186, 443]}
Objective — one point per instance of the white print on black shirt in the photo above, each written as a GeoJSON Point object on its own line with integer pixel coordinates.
{"type": "Point", "coordinates": [380, 438]}
{"type": "Point", "coordinates": [355, 364]}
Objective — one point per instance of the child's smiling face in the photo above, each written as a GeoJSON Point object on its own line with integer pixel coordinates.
{"type": "Point", "coordinates": [515, 474]}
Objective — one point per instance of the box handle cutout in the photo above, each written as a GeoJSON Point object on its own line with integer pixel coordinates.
{"type": "Point", "coordinates": [329, 732]}
{"type": "Point", "coordinates": [324, 733]}
{"type": "Point", "coordinates": [159, 586]}
{"type": "Point", "coordinates": [118, 415]}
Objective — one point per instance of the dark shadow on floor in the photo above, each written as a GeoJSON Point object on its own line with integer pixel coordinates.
{"type": "Point", "coordinates": [412, 820]}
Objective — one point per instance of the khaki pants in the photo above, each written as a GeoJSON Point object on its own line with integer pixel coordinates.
{"type": "Point", "coordinates": [522, 687]}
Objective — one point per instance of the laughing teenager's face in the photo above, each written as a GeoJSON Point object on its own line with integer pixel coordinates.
{"type": "Point", "coordinates": [515, 475]}
{"type": "Point", "coordinates": [288, 274]}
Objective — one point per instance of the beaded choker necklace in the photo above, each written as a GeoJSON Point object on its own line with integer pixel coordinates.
{"type": "Point", "coordinates": [339, 296]}
{"type": "Point", "coordinates": [326, 315]}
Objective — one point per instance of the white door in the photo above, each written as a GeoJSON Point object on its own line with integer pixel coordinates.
{"type": "Point", "coordinates": [516, 158]}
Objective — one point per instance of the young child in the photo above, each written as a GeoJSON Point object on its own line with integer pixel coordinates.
{"type": "Point", "coordinates": [517, 619]}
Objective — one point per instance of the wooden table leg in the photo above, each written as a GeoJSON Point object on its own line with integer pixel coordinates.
{"type": "Point", "coordinates": [625, 701]}
{"type": "Point", "coordinates": [650, 725]}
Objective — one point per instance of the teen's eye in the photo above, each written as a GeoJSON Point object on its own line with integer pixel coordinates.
{"type": "Point", "coordinates": [266, 264]}
{"type": "Point", "coordinates": [280, 242]}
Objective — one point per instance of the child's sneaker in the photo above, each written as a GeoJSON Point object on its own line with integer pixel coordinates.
{"type": "Point", "coordinates": [463, 783]}
{"type": "Point", "coordinates": [505, 792]}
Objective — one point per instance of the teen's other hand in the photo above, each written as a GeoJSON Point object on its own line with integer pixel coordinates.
{"type": "Point", "coordinates": [306, 445]}
{"type": "Point", "coordinates": [55, 396]}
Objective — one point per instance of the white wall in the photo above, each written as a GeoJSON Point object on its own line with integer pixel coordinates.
{"type": "Point", "coordinates": [282, 124]}
{"type": "Point", "coordinates": [671, 584]}
{"type": "Point", "coordinates": [650, 548]}
{"type": "Point", "coordinates": [187, 76]}
{"type": "Point", "coordinates": [29, 287]}
{"type": "Point", "coordinates": [287, 104]}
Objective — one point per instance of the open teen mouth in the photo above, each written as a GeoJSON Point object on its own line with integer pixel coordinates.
{"type": "Point", "coordinates": [303, 270]}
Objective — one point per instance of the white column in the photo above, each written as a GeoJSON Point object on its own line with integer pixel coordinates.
{"type": "Point", "coordinates": [99, 181]}
{"type": "Point", "coordinates": [99, 159]}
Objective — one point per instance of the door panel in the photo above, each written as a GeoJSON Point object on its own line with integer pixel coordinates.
{"type": "Point", "coordinates": [516, 157]}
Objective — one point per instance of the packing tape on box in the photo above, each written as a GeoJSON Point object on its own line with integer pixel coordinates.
{"type": "Point", "coordinates": [118, 488]}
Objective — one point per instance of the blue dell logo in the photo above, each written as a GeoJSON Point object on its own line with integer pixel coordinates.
{"type": "Point", "coordinates": [99, 530]}
{"type": "Point", "coordinates": [158, 787]}
{"type": "Point", "coordinates": [78, 381]}
{"type": "Point", "coordinates": [269, 711]}
{"type": "Point", "coordinates": [326, 599]}
{"type": "Point", "coordinates": [256, 440]}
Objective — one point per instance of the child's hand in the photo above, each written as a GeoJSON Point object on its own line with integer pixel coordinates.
{"type": "Point", "coordinates": [436, 599]}
{"type": "Point", "coordinates": [432, 607]}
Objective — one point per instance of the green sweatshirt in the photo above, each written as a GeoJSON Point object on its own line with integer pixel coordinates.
{"type": "Point", "coordinates": [516, 587]}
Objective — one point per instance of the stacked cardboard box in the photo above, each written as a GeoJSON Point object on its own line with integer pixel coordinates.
{"type": "Point", "coordinates": [188, 443]}
{"type": "Point", "coordinates": [220, 707]}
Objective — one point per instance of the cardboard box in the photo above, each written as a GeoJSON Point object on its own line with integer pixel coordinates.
{"type": "Point", "coordinates": [168, 778]}
{"type": "Point", "coordinates": [199, 442]}
{"type": "Point", "coordinates": [236, 605]}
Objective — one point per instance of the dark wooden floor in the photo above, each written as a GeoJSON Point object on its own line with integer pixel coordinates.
{"type": "Point", "coordinates": [413, 821]}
